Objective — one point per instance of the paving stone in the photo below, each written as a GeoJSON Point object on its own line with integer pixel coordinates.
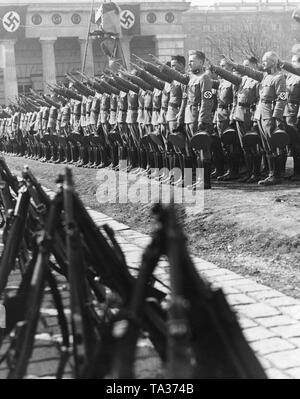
{"type": "Point", "coordinates": [282, 301]}
{"type": "Point", "coordinates": [276, 321]}
{"type": "Point", "coordinates": [287, 331]}
{"type": "Point", "coordinates": [256, 310]}
{"type": "Point", "coordinates": [275, 374]}
{"type": "Point", "coordinates": [295, 341]}
{"type": "Point", "coordinates": [294, 372]}
{"type": "Point", "coordinates": [227, 277]}
{"type": "Point", "coordinates": [253, 287]}
{"type": "Point", "coordinates": [239, 299]}
{"type": "Point", "coordinates": [293, 311]}
{"type": "Point", "coordinates": [257, 333]}
{"type": "Point", "coordinates": [285, 359]}
{"type": "Point", "coordinates": [246, 323]}
{"type": "Point", "coordinates": [271, 345]}
{"type": "Point", "coordinates": [267, 293]}
{"type": "Point", "coordinates": [214, 272]}
{"type": "Point", "coordinates": [229, 290]}
{"type": "Point", "coordinates": [265, 363]}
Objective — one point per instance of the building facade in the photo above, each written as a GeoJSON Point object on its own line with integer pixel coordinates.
{"type": "Point", "coordinates": [50, 37]}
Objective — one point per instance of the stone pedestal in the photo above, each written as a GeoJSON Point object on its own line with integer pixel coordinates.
{"type": "Point", "coordinates": [7, 53]}
{"type": "Point", "coordinates": [169, 45]}
{"type": "Point", "coordinates": [49, 67]}
{"type": "Point", "coordinates": [87, 59]}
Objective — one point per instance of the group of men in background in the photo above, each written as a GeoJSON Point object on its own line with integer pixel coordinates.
{"type": "Point", "coordinates": [238, 122]}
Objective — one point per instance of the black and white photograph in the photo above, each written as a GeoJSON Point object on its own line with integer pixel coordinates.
{"type": "Point", "coordinates": [150, 192]}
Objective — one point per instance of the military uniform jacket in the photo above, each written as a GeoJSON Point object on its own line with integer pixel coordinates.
{"type": "Point", "coordinates": [272, 92]}
{"type": "Point", "coordinates": [105, 105]}
{"type": "Point", "coordinates": [198, 102]}
{"type": "Point", "coordinates": [95, 110]}
{"type": "Point", "coordinates": [113, 105]}
{"type": "Point", "coordinates": [45, 118]}
{"type": "Point", "coordinates": [133, 104]}
{"type": "Point", "coordinates": [122, 107]}
{"type": "Point", "coordinates": [246, 94]}
{"type": "Point", "coordinates": [89, 103]}
{"type": "Point", "coordinates": [141, 102]}
{"type": "Point", "coordinates": [148, 106]}
{"type": "Point", "coordinates": [293, 95]}
{"type": "Point", "coordinates": [82, 113]}
{"type": "Point", "coordinates": [225, 94]}
{"type": "Point", "coordinates": [164, 103]}
{"type": "Point", "coordinates": [157, 95]}
{"type": "Point", "coordinates": [176, 90]}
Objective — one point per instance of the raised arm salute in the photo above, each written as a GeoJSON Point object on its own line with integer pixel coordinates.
{"type": "Point", "coordinates": [269, 112]}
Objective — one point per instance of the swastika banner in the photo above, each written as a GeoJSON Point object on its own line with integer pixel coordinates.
{"type": "Point", "coordinates": [12, 22]}
{"type": "Point", "coordinates": [130, 19]}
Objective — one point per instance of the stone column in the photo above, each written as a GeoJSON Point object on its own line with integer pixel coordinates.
{"type": "Point", "coordinates": [49, 67]}
{"type": "Point", "coordinates": [89, 67]}
{"type": "Point", "coordinates": [168, 45]}
{"type": "Point", "coordinates": [9, 69]}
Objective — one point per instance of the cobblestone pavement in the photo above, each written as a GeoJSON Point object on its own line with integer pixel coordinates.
{"type": "Point", "coordinates": [270, 319]}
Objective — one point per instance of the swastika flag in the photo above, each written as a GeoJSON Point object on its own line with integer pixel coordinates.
{"type": "Point", "coordinates": [12, 22]}
{"type": "Point", "coordinates": [130, 19]}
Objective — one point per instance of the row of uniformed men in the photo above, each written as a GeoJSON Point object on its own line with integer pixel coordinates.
{"type": "Point", "coordinates": [157, 115]}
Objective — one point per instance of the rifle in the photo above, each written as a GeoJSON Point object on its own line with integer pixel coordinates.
{"type": "Point", "coordinates": [41, 271]}
{"type": "Point", "coordinates": [9, 177]}
{"type": "Point", "coordinates": [84, 334]}
{"type": "Point", "coordinates": [131, 319]}
{"type": "Point", "coordinates": [217, 340]}
{"type": "Point", "coordinates": [179, 357]}
{"type": "Point", "coordinates": [15, 236]}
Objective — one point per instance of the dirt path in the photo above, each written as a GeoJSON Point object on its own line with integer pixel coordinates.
{"type": "Point", "coordinates": [251, 230]}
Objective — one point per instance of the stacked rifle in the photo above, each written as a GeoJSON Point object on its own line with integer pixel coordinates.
{"type": "Point", "coordinates": [191, 326]}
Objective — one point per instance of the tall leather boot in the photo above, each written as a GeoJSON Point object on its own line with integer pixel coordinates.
{"type": "Point", "coordinates": [274, 164]}
{"type": "Point", "coordinates": [232, 173]}
{"type": "Point", "coordinates": [249, 161]}
{"type": "Point", "coordinates": [255, 177]}
{"type": "Point", "coordinates": [296, 174]}
{"type": "Point", "coordinates": [134, 159]}
{"type": "Point", "coordinates": [155, 173]}
{"type": "Point", "coordinates": [283, 159]}
{"type": "Point", "coordinates": [143, 157]}
{"type": "Point", "coordinates": [207, 174]}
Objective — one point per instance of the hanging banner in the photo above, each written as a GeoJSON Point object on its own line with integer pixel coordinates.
{"type": "Point", "coordinates": [130, 19]}
{"type": "Point", "coordinates": [12, 22]}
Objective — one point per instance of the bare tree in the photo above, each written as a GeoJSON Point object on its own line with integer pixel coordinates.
{"type": "Point", "coordinates": [252, 36]}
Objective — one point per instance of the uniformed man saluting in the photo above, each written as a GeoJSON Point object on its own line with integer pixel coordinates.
{"type": "Point", "coordinates": [270, 109]}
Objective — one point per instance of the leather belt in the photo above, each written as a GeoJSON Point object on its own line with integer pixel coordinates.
{"type": "Point", "coordinates": [244, 105]}
{"type": "Point", "coordinates": [132, 109]}
{"type": "Point", "coordinates": [223, 106]}
{"type": "Point", "coordinates": [147, 109]}
{"type": "Point", "coordinates": [266, 101]}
